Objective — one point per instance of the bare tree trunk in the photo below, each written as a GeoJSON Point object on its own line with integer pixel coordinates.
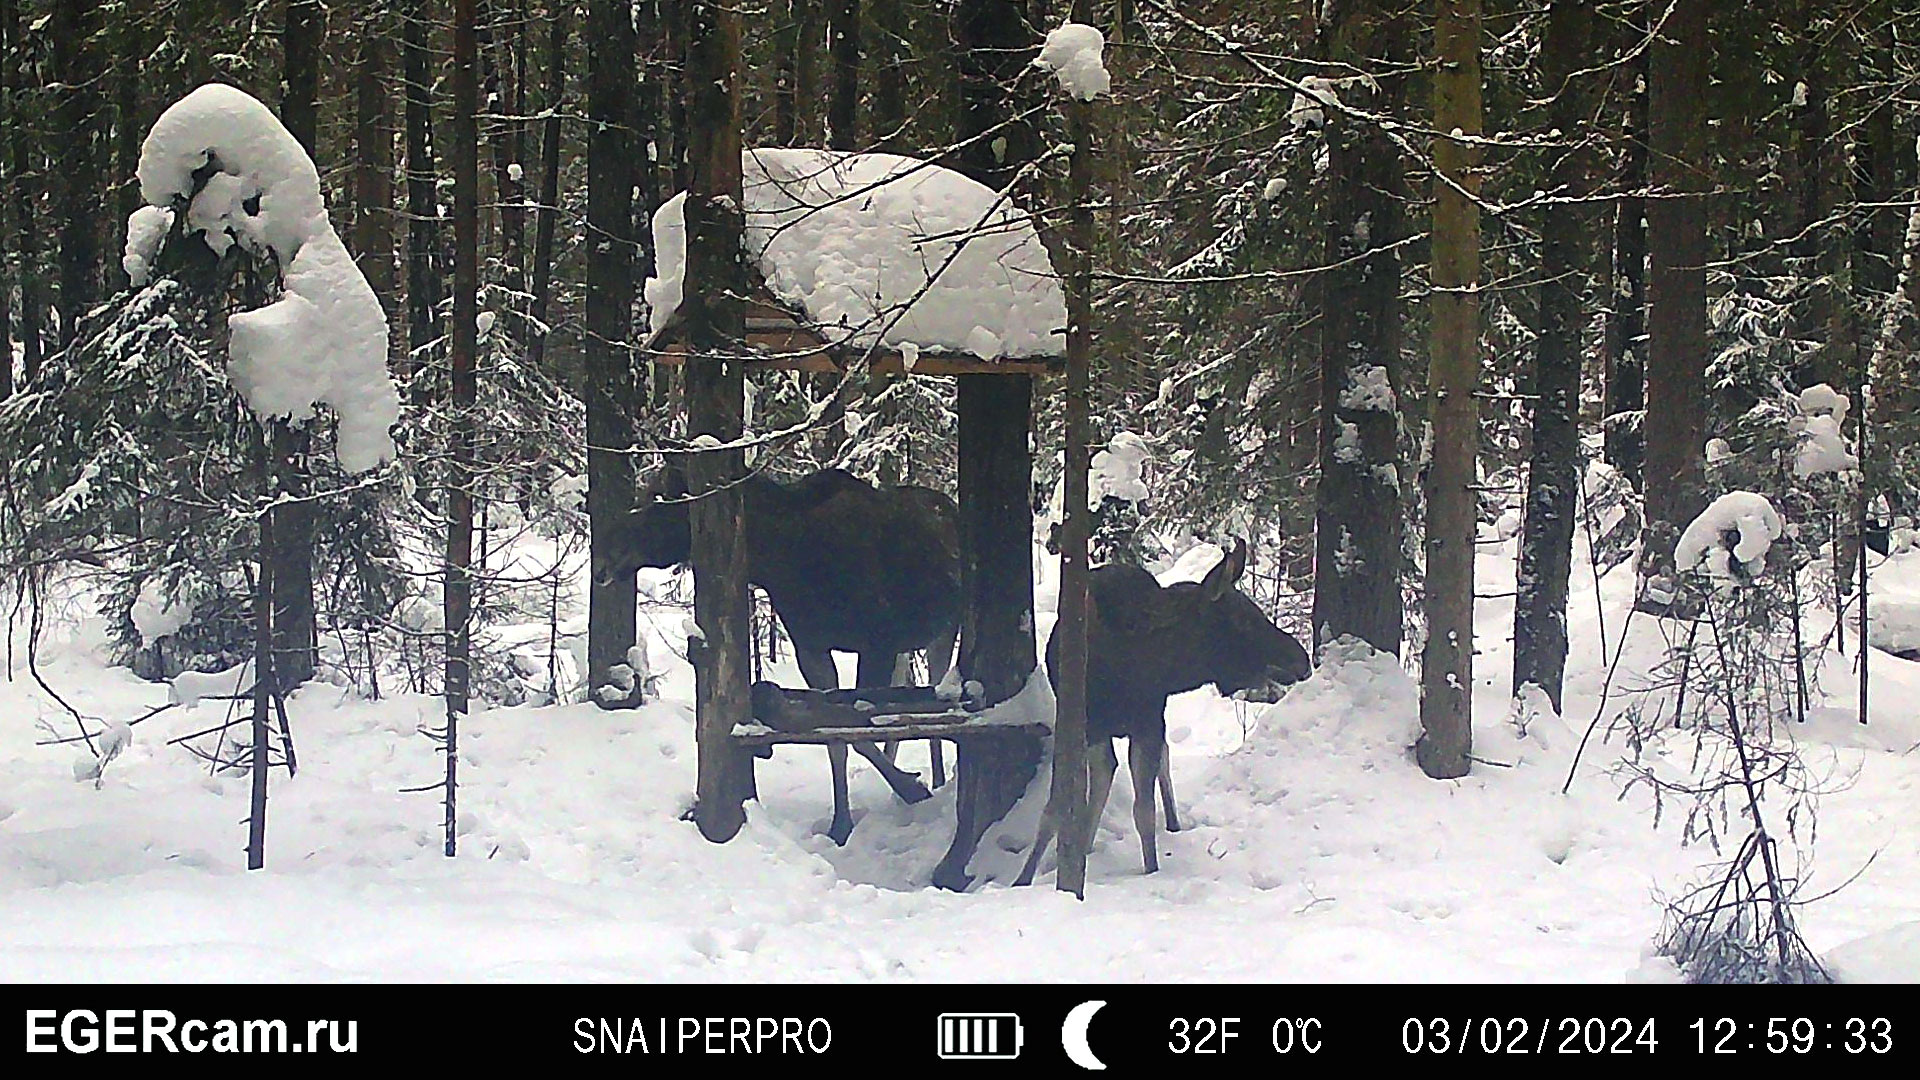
{"type": "Point", "coordinates": [460, 474]}
{"type": "Point", "coordinates": [74, 25]}
{"type": "Point", "coordinates": [843, 104]}
{"type": "Point", "coordinates": [1677, 285]}
{"type": "Point", "coordinates": [21, 194]}
{"type": "Point", "coordinates": [373, 158]}
{"type": "Point", "coordinates": [609, 367]}
{"type": "Point", "coordinates": [1553, 475]}
{"type": "Point", "coordinates": [716, 395]}
{"type": "Point", "coordinates": [1069, 794]}
{"type": "Point", "coordinates": [1359, 523]}
{"type": "Point", "coordinates": [1626, 342]}
{"type": "Point", "coordinates": [1446, 664]}
{"type": "Point", "coordinates": [423, 208]}
{"type": "Point", "coordinates": [888, 48]}
{"type": "Point", "coordinates": [295, 633]}
{"type": "Point", "coordinates": [995, 464]}
{"type": "Point", "coordinates": [547, 216]}
{"type": "Point", "coordinates": [128, 133]}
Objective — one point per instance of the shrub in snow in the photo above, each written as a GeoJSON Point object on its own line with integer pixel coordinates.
{"type": "Point", "coordinates": [1072, 52]}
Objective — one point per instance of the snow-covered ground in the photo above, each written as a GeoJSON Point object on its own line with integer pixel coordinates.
{"type": "Point", "coordinates": [1315, 850]}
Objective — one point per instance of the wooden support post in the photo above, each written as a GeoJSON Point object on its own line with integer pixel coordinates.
{"type": "Point", "coordinates": [716, 394]}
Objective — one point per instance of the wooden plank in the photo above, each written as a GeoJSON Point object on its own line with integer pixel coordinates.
{"type": "Point", "coordinates": [920, 728]}
{"type": "Point", "coordinates": [798, 350]}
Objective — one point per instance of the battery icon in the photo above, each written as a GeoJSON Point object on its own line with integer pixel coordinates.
{"type": "Point", "coordinates": [980, 1036]}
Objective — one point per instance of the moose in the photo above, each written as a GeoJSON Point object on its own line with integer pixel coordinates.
{"type": "Point", "coordinates": [1145, 643]}
{"type": "Point", "coordinates": [847, 567]}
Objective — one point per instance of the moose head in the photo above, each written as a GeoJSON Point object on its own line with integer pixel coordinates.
{"type": "Point", "coordinates": [656, 533]}
{"type": "Point", "coordinates": [1226, 639]}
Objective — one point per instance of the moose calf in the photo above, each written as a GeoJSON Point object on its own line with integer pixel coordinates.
{"type": "Point", "coordinates": [1145, 643]}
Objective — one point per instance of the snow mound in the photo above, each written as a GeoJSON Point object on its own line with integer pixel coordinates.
{"type": "Point", "coordinates": [1072, 53]}
{"type": "Point", "coordinates": [879, 248]}
{"type": "Point", "coordinates": [147, 228]}
{"type": "Point", "coordinates": [1747, 517]}
{"type": "Point", "coordinates": [324, 341]}
{"type": "Point", "coordinates": [1890, 956]}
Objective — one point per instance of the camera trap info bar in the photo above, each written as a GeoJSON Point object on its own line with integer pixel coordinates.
{"type": "Point", "coordinates": [980, 1036]}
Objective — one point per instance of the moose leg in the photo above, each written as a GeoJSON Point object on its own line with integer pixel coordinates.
{"type": "Point", "coordinates": [1103, 765]}
{"type": "Point", "coordinates": [876, 669]}
{"type": "Point", "coordinates": [939, 659]}
{"type": "Point", "coordinates": [842, 826]}
{"type": "Point", "coordinates": [816, 666]}
{"type": "Point", "coordinates": [1041, 841]}
{"type": "Point", "coordinates": [1143, 758]}
{"type": "Point", "coordinates": [1166, 790]}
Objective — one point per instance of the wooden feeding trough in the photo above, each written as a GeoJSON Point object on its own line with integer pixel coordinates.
{"type": "Point", "coordinates": [917, 270]}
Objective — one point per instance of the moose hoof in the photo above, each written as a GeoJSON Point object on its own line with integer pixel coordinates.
{"type": "Point", "coordinates": [840, 830]}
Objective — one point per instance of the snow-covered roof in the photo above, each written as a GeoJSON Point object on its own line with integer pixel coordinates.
{"type": "Point", "coordinates": [878, 247]}
{"type": "Point", "coordinates": [324, 341]}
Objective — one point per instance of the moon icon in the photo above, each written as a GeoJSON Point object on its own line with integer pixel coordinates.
{"type": "Point", "coordinates": [1073, 1035]}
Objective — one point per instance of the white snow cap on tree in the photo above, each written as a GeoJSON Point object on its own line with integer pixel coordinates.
{"type": "Point", "coordinates": [1072, 53]}
{"type": "Point", "coordinates": [847, 240]}
{"type": "Point", "coordinates": [1822, 448]}
{"type": "Point", "coordinates": [1746, 519]}
{"type": "Point", "coordinates": [324, 341]}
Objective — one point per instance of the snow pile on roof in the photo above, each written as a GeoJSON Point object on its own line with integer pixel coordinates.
{"type": "Point", "coordinates": [1821, 448]}
{"type": "Point", "coordinates": [1116, 471]}
{"type": "Point", "coordinates": [324, 341]}
{"type": "Point", "coordinates": [873, 247]}
{"type": "Point", "coordinates": [1749, 520]}
{"type": "Point", "coordinates": [1072, 53]}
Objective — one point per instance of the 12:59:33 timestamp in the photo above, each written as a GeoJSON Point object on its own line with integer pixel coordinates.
{"type": "Point", "coordinates": [1793, 1035]}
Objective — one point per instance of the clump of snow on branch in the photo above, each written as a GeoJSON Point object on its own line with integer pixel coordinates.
{"type": "Point", "coordinates": [1822, 449]}
{"type": "Point", "coordinates": [1317, 93]}
{"type": "Point", "coordinates": [1072, 54]}
{"type": "Point", "coordinates": [1116, 471]}
{"type": "Point", "coordinates": [863, 247]}
{"type": "Point", "coordinates": [156, 613]}
{"type": "Point", "coordinates": [1738, 528]}
{"type": "Point", "coordinates": [1368, 389]}
{"type": "Point", "coordinates": [147, 228]}
{"type": "Point", "coordinates": [324, 341]}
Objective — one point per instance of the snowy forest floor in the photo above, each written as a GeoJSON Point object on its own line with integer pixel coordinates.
{"type": "Point", "coordinates": [1315, 849]}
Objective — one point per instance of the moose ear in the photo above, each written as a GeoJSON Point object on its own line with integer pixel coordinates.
{"type": "Point", "coordinates": [1225, 573]}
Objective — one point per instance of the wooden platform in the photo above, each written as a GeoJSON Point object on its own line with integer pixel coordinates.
{"type": "Point", "coordinates": [890, 714]}
{"type": "Point", "coordinates": [787, 344]}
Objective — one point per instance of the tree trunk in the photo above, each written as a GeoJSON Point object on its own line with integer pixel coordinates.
{"type": "Point", "coordinates": [1453, 377]}
{"type": "Point", "coordinates": [21, 193]}
{"type": "Point", "coordinates": [888, 49]}
{"type": "Point", "coordinates": [423, 208]}
{"type": "Point", "coordinates": [547, 216]}
{"type": "Point", "coordinates": [373, 159]}
{"type": "Point", "coordinates": [73, 28]}
{"type": "Point", "coordinates": [1677, 284]}
{"type": "Point", "coordinates": [128, 133]}
{"type": "Point", "coordinates": [1626, 342]}
{"type": "Point", "coordinates": [609, 367]}
{"type": "Point", "coordinates": [1069, 793]}
{"type": "Point", "coordinates": [716, 394]}
{"type": "Point", "coordinates": [1553, 474]}
{"type": "Point", "coordinates": [843, 103]}
{"type": "Point", "coordinates": [295, 633]}
{"type": "Point", "coordinates": [463, 388]}
{"type": "Point", "coordinates": [995, 464]}
{"type": "Point", "coordinates": [1359, 527]}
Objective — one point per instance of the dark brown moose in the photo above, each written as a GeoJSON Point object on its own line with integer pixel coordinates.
{"type": "Point", "coordinates": [847, 567]}
{"type": "Point", "coordinates": [1145, 643]}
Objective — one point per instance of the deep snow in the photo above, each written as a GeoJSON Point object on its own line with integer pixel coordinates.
{"type": "Point", "coordinates": [1315, 848]}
